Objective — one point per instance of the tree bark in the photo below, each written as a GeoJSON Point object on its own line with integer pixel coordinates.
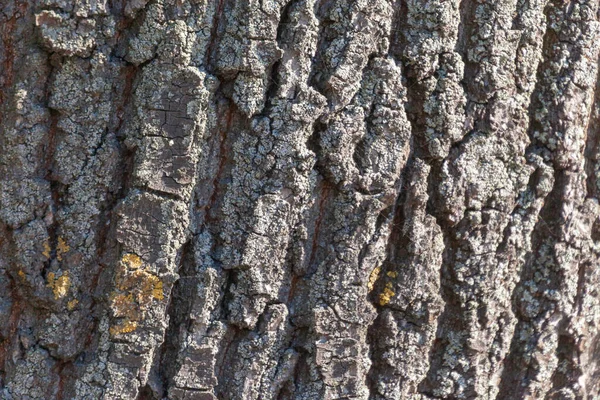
{"type": "Point", "coordinates": [299, 199]}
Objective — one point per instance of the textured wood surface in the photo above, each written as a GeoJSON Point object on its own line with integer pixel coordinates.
{"type": "Point", "coordinates": [299, 199]}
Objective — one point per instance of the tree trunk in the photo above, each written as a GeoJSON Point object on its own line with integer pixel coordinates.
{"type": "Point", "coordinates": [299, 199]}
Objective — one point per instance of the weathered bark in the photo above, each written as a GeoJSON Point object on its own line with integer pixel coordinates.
{"type": "Point", "coordinates": [299, 199]}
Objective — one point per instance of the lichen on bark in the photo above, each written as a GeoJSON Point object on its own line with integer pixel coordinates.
{"type": "Point", "coordinates": [299, 199]}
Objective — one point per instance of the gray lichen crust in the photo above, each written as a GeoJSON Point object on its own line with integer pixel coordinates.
{"type": "Point", "coordinates": [299, 199]}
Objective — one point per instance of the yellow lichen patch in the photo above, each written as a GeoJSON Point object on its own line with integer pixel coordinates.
{"type": "Point", "coordinates": [47, 249]}
{"type": "Point", "coordinates": [60, 286]}
{"type": "Point", "coordinates": [132, 261]}
{"type": "Point", "coordinates": [135, 290]}
{"type": "Point", "coordinates": [392, 274]}
{"type": "Point", "coordinates": [124, 327]}
{"type": "Point", "coordinates": [146, 287]}
{"type": "Point", "coordinates": [157, 291]}
{"type": "Point", "coordinates": [151, 286]}
{"type": "Point", "coordinates": [386, 295]}
{"type": "Point", "coordinates": [21, 274]}
{"type": "Point", "coordinates": [123, 305]}
{"type": "Point", "coordinates": [373, 278]}
{"type": "Point", "coordinates": [143, 285]}
{"type": "Point", "coordinates": [72, 304]}
{"type": "Point", "coordinates": [61, 248]}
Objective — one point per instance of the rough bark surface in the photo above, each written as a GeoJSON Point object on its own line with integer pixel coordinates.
{"type": "Point", "coordinates": [299, 199]}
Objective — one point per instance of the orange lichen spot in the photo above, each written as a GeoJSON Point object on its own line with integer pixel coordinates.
{"type": "Point", "coordinates": [392, 274]}
{"type": "Point", "coordinates": [21, 274]}
{"type": "Point", "coordinates": [132, 261]}
{"type": "Point", "coordinates": [60, 286]}
{"type": "Point", "coordinates": [373, 278]}
{"type": "Point", "coordinates": [386, 295]}
{"type": "Point", "coordinates": [125, 327]}
{"type": "Point", "coordinates": [61, 248]}
{"type": "Point", "coordinates": [47, 249]}
{"type": "Point", "coordinates": [72, 304]}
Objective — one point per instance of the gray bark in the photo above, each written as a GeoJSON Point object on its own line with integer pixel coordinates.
{"type": "Point", "coordinates": [299, 199]}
